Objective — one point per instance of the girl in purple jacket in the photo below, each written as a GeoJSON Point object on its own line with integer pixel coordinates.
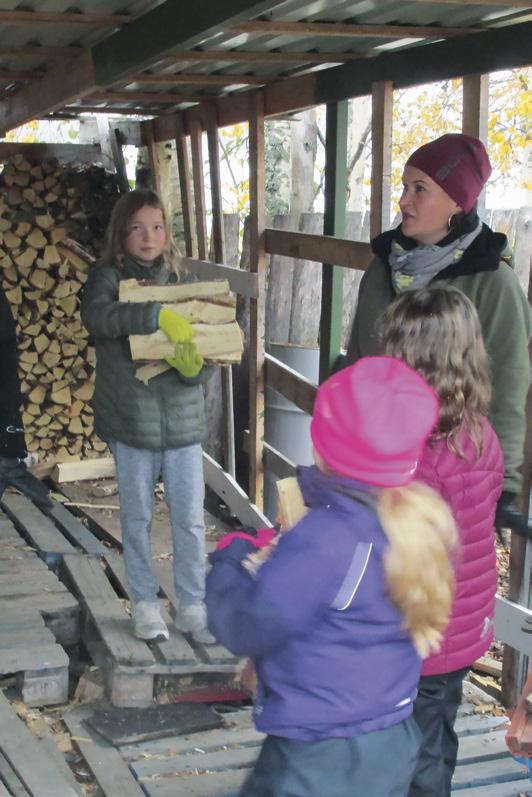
{"type": "Point", "coordinates": [436, 331]}
{"type": "Point", "coordinates": [341, 614]}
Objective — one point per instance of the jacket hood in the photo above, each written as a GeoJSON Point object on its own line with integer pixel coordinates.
{"type": "Point", "coordinates": [319, 489]}
{"type": "Point", "coordinates": [484, 253]}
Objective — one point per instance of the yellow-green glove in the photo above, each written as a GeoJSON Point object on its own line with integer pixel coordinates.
{"type": "Point", "coordinates": [176, 328]}
{"type": "Point", "coordinates": [187, 360]}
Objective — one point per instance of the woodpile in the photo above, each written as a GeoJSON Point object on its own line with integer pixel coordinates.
{"type": "Point", "coordinates": [46, 209]}
{"type": "Point", "coordinates": [210, 308]}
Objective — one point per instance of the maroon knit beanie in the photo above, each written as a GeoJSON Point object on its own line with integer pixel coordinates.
{"type": "Point", "coordinates": [457, 163]}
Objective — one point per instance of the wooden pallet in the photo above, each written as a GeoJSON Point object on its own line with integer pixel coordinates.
{"type": "Point", "coordinates": [130, 665]}
{"type": "Point", "coordinates": [31, 594]}
{"type": "Point", "coordinates": [30, 767]}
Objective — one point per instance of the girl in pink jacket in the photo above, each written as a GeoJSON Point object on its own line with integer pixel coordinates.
{"type": "Point", "coordinates": [437, 332]}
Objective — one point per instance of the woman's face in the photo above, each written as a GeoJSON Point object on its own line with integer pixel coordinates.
{"type": "Point", "coordinates": [425, 207]}
{"type": "Point", "coordinates": [145, 235]}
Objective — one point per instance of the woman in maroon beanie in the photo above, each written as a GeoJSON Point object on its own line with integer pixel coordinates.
{"type": "Point", "coordinates": [441, 239]}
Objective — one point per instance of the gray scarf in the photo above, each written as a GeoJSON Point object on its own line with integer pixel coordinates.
{"type": "Point", "coordinates": [415, 268]}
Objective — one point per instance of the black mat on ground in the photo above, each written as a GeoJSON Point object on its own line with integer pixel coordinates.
{"type": "Point", "coordinates": [130, 725]}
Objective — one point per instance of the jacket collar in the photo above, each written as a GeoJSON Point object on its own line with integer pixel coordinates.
{"type": "Point", "coordinates": [483, 254]}
{"type": "Point", "coordinates": [320, 489]}
{"type": "Point", "coordinates": [155, 272]}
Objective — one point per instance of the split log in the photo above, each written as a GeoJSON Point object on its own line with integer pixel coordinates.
{"type": "Point", "coordinates": [217, 343]}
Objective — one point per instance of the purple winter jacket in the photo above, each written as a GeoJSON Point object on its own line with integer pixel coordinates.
{"type": "Point", "coordinates": [471, 487]}
{"type": "Point", "coordinates": [331, 655]}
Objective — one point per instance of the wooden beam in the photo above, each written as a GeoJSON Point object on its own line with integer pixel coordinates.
{"type": "Point", "coordinates": [348, 30]}
{"type": "Point", "coordinates": [334, 220]}
{"type": "Point", "coordinates": [199, 79]}
{"type": "Point", "coordinates": [67, 82]}
{"type": "Point", "coordinates": [191, 243]}
{"type": "Point", "coordinates": [319, 248]}
{"type": "Point", "coordinates": [280, 465]}
{"type": "Point", "coordinates": [232, 494]}
{"type": "Point", "coordinates": [118, 158]}
{"type": "Point", "coordinates": [151, 146]}
{"type": "Point", "coordinates": [14, 75]}
{"type": "Point", "coordinates": [196, 145]}
{"type": "Point", "coordinates": [63, 18]}
{"type": "Point", "coordinates": [132, 110]}
{"type": "Point", "coordinates": [475, 99]}
{"type": "Point", "coordinates": [157, 98]}
{"type": "Point", "coordinates": [38, 51]}
{"type": "Point", "coordinates": [79, 153]}
{"type": "Point", "coordinates": [250, 57]}
{"type": "Point", "coordinates": [242, 282]}
{"type": "Point", "coordinates": [381, 156]}
{"type": "Point", "coordinates": [167, 27]}
{"type": "Point", "coordinates": [257, 312]}
{"type": "Point", "coordinates": [290, 384]}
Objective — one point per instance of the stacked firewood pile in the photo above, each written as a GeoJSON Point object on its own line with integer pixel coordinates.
{"type": "Point", "coordinates": [47, 211]}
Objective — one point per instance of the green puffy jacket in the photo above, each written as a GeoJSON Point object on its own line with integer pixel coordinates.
{"type": "Point", "coordinates": [492, 285]}
{"type": "Point", "coordinates": [168, 412]}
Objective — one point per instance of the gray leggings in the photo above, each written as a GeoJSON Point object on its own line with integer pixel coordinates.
{"type": "Point", "coordinates": [138, 471]}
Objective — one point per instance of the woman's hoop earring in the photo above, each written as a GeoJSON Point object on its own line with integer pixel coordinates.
{"type": "Point", "coordinates": [450, 221]}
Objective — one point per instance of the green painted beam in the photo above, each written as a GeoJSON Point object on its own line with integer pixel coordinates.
{"type": "Point", "coordinates": [502, 48]}
{"type": "Point", "coordinates": [175, 24]}
{"type": "Point", "coordinates": [334, 223]}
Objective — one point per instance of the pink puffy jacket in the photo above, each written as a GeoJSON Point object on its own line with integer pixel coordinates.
{"type": "Point", "coordinates": [472, 488]}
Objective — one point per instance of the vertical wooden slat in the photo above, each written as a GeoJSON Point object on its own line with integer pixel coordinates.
{"type": "Point", "coordinates": [475, 96]}
{"type": "Point", "coordinates": [191, 244]}
{"type": "Point", "coordinates": [151, 146]}
{"type": "Point", "coordinates": [118, 158]}
{"type": "Point", "coordinates": [196, 136]}
{"type": "Point", "coordinates": [257, 306]}
{"type": "Point", "coordinates": [219, 257]}
{"type": "Point", "coordinates": [334, 222]}
{"type": "Point", "coordinates": [381, 156]}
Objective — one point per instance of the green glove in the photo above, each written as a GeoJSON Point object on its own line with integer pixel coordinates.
{"type": "Point", "coordinates": [176, 328]}
{"type": "Point", "coordinates": [187, 360]}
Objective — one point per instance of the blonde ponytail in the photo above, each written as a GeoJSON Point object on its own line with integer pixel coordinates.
{"type": "Point", "coordinates": [422, 535]}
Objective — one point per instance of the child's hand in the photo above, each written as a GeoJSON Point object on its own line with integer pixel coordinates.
{"type": "Point", "coordinates": [176, 328]}
{"type": "Point", "coordinates": [187, 360]}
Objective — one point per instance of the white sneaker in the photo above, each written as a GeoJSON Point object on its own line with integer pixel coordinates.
{"type": "Point", "coordinates": [147, 622]}
{"type": "Point", "coordinates": [192, 619]}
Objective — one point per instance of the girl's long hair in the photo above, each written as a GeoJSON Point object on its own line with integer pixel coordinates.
{"type": "Point", "coordinates": [124, 209]}
{"type": "Point", "coordinates": [436, 330]}
{"type": "Point", "coordinates": [418, 563]}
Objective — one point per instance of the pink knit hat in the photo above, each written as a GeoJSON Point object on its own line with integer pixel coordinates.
{"type": "Point", "coordinates": [372, 420]}
{"type": "Point", "coordinates": [458, 163]}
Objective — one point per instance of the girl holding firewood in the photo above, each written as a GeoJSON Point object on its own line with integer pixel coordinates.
{"type": "Point", "coordinates": [151, 428]}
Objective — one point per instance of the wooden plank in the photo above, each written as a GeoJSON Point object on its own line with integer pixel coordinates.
{"type": "Point", "coordinates": [63, 18]}
{"type": "Point", "coordinates": [196, 138]}
{"type": "Point", "coordinates": [199, 79]}
{"type": "Point", "coordinates": [349, 30]}
{"type": "Point", "coordinates": [72, 471]}
{"type": "Point", "coordinates": [16, 787]}
{"type": "Point", "coordinates": [77, 153]}
{"type": "Point", "coordinates": [191, 244]}
{"type": "Point", "coordinates": [30, 762]}
{"type": "Point", "coordinates": [334, 224]}
{"type": "Point", "coordinates": [105, 762]}
{"type": "Point", "coordinates": [112, 623]}
{"type": "Point", "coordinates": [151, 146]}
{"type": "Point", "coordinates": [319, 248]}
{"type": "Point", "coordinates": [514, 789]}
{"type": "Point", "coordinates": [118, 158]}
{"type": "Point", "coordinates": [60, 611]}
{"type": "Point", "coordinates": [241, 282]}
{"type": "Point", "coordinates": [482, 747]}
{"type": "Point", "coordinates": [35, 526]}
{"type": "Point", "coordinates": [475, 100]}
{"type": "Point", "coordinates": [208, 741]}
{"type": "Point", "coordinates": [257, 310]}
{"type": "Point", "coordinates": [233, 495]}
{"type": "Point", "coordinates": [255, 57]}
{"type": "Point", "coordinates": [212, 784]}
{"type": "Point", "coordinates": [292, 385]}
{"type": "Point", "coordinates": [196, 762]}
{"type": "Point", "coordinates": [512, 624]}
{"type": "Point", "coordinates": [75, 531]}
{"type": "Point", "coordinates": [381, 156]}
{"type": "Point", "coordinates": [500, 770]}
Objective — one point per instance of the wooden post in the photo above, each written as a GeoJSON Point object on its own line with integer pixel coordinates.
{"type": "Point", "coordinates": [333, 224]}
{"type": "Point", "coordinates": [475, 95]}
{"type": "Point", "coordinates": [151, 146]}
{"type": "Point", "coordinates": [219, 257]}
{"type": "Point", "coordinates": [118, 159]}
{"type": "Point", "coordinates": [196, 135]}
{"type": "Point", "coordinates": [191, 243]}
{"type": "Point", "coordinates": [256, 306]}
{"type": "Point", "coordinates": [381, 156]}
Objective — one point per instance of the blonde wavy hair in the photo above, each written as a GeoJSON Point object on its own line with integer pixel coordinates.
{"type": "Point", "coordinates": [437, 332]}
{"type": "Point", "coordinates": [418, 563]}
{"type": "Point", "coordinates": [124, 209]}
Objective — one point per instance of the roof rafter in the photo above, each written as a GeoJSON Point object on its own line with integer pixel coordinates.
{"type": "Point", "coordinates": [250, 57]}
{"type": "Point", "coordinates": [200, 79]}
{"type": "Point", "coordinates": [38, 51]}
{"type": "Point", "coordinates": [63, 18]}
{"type": "Point", "coordinates": [145, 96]}
{"type": "Point", "coordinates": [267, 27]}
